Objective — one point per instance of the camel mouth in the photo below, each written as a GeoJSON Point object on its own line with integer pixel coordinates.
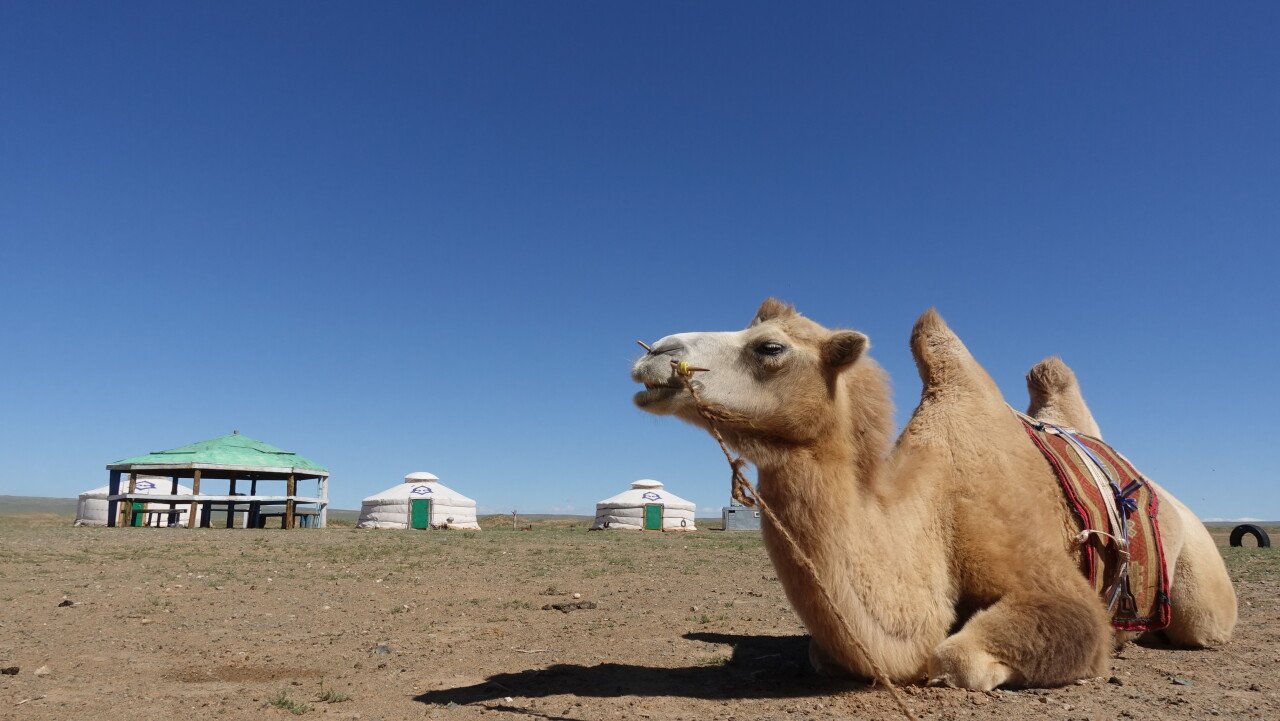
{"type": "Point", "coordinates": [656, 393]}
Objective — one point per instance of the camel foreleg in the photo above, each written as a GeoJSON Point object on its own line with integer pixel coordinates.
{"type": "Point", "coordinates": [1028, 639]}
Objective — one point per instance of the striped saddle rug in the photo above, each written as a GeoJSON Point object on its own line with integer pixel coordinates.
{"type": "Point", "coordinates": [1117, 510]}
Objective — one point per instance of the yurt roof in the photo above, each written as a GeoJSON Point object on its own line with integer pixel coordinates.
{"type": "Point", "coordinates": [420, 476]}
{"type": "Point", "coordinates": [646, 491]}
{"type": "Point", "coordinates": [232, 452]}
{"type": "Point", "coordinates": [433, 489]}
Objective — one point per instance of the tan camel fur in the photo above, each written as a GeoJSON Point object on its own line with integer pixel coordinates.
{"type": "Point", "coordinates": [950, 553]}
{"type": "Point", "coordinates": [1203, 599]}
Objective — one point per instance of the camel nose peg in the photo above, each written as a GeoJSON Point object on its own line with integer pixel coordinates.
{"type": "Point", "coordinates": [684, 370]}
{"type": "Point", "coordinates": [646, 346]}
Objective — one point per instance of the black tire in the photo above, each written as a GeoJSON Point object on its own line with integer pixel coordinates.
{"type": "Point", "coordinates": [1248, 529]}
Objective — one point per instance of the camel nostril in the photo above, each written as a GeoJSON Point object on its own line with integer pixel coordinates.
{"type": "Point", "coordinates": [671, 349]}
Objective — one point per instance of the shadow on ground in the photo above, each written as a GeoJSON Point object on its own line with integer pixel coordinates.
{"type": "Point", "coordinates": [760, 667]}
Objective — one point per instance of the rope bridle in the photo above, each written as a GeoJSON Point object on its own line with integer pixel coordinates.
{"type": "Point", "coordinates": [745, 493]}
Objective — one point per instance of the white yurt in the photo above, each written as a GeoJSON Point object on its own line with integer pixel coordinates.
{"type": "Point", "coordinates": [422, 502]}
{"type": "Point", "coordinates": [91, 510]}
{"type": "Point", "coordinates": [646, 505]}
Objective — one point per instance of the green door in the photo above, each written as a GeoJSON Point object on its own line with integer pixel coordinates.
{"type": "Point", "coordinates": [138, 515]}
{"type": "Point", "coordinates": [652, 517]}
{"type": "Point", "coordinates": [420, 513]}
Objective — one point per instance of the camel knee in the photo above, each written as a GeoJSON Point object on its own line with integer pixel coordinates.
{"type": "Point", "coordinates": [1202, 598]}
{"type": "Point", "coordinates": [1205, 622]}
{"type": "Point", "coordinates": [1199, 634]}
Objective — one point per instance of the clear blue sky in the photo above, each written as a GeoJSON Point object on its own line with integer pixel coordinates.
{"type": "Point", "coordinates": [424, 236]}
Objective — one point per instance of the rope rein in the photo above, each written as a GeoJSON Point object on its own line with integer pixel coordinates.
{"type": "Point", "coordinates": [745, 493]}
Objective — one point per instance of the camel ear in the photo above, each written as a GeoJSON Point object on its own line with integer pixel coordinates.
{"type": "Point", "coordinates": [844, 347]}
{"type": "Point", "coordinates": [773, 308]}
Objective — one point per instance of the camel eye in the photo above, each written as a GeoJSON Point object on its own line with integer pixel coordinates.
{"type": "Point", "coordinates": [770, 348]}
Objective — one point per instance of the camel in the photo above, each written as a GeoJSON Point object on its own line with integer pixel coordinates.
{"type": "Point", "coordinates": [951, 553]}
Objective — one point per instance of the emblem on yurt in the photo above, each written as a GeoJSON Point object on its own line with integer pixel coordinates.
{"type": "Point", "coordinates": [646, 504]}
{"type": "Point", "coordinates": [144, 485]}
{"type": "Point", "coordinates": [420, 490]}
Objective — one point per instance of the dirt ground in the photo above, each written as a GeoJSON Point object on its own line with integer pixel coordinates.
{"type": "Point", "coordinates": [347, 624]}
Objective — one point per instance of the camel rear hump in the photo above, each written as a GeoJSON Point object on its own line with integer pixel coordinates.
{"type": "Point", "coordinates": [1050, 375]}
{"type": "Point", "coordinates": [1055, 396]}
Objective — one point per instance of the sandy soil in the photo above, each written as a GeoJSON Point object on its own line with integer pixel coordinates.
{"type": "Point", "coordinates": [348, 624]}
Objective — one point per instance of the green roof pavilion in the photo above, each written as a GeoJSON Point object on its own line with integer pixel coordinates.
{"type": "Point", "coordinates": [232, 457]}
{"type": "Point", "coordinates": [230, 452]}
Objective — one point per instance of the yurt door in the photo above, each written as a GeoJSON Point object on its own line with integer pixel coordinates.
{"type": "Point", "coordinates": [138, 513]}
{"type": "Point", "coordinates": [652, 517]}
{"type": "Point", "coordinates": [420, 513]}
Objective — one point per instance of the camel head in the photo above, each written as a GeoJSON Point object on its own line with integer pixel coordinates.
{"type": "Point", "coordinates": [774, 381]}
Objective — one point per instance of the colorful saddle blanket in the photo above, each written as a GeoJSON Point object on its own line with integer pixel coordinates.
{"type": "Point", "coordinates": [1134, 587]}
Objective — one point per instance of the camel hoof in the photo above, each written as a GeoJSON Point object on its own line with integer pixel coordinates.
{"type": "Point", "coordinates": [958, 667]}
{"type": "Point", "coordinates": [823, 664]}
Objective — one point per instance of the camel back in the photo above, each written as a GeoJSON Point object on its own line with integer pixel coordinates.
{"type": "Point", "coordinates": [1137, 592]}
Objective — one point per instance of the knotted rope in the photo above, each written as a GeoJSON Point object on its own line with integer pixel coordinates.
{"type": "Point", "coordinates": [745, 493]}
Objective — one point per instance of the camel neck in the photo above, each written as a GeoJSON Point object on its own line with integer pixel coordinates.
{"type": "Point", "coordinates": [833, 497]}
{"type": "Point", "coordinates": [841, 471]}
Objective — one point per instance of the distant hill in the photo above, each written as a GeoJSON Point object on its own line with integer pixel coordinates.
{"type": "Point", "coordinates": [343, 517]}
{"type": "Point", "coordinates": [38, 504]}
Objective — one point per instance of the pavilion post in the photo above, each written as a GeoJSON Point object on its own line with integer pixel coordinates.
{"type": "Point", "coordinates": [231, 507]}
{"type": "Point", "coordinates": [324, 501]}
{"type": "Point", "coordinates": [291, 490]}
{"type": "Point", "coordinates": [195, 507]}
{"type": "Point", "coordinates": [113, 506]}
{"type": "Point", "coordinates": [173, 505]}
{"type": "Point", "coordinates": [128, 508]}
{"type": "Point", "coordinates": [254, 508]}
